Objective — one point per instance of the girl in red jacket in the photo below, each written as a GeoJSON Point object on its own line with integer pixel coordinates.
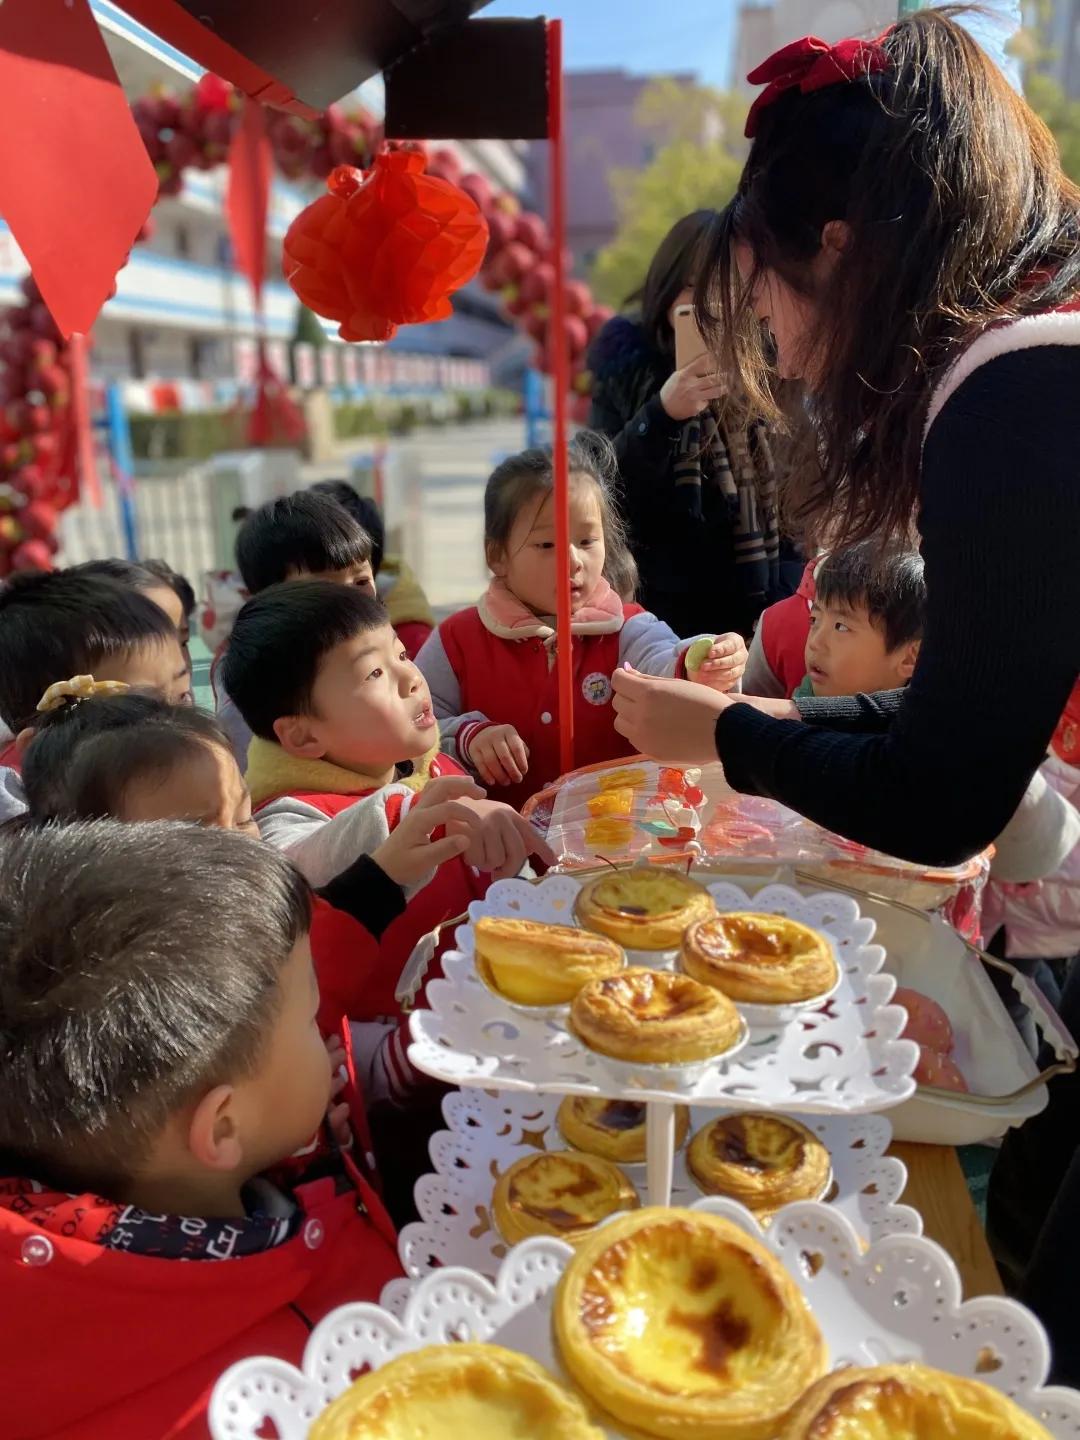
{"type": "Point", "coordinates": [161, 1061]}
{"type": "Point", "coordinates": [491, 669]}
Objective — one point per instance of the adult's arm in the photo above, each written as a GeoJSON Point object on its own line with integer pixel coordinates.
{"type": "Point", "coordinates": [1000, 519]}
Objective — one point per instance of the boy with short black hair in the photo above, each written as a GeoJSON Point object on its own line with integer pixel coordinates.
{"type": "Point", "coordinates": [57, 625]}
{"type": "Point", "coordinates": [345, 738]}
{"type": "Point", "coordinates": [160, 1056]}
{"type": "Point", "coordinates": [303, 536]}
{"type": "Point", "coordinates": [395, 582]}
{"type": "Point", "coordinates": [866, 620]}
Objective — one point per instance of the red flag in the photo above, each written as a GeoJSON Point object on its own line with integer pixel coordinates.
{"type": "Point", "coordinates": [76, 183]}
{"type": "Point", "coordinates": [249, 196]}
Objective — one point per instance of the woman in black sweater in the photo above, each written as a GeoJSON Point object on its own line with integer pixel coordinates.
{"type": "Point", "coordinates": [699, 502]}
{"type": "Point", "coordinates": [910, 239]}
{"type": "Point", "coordinates": [904, 228]}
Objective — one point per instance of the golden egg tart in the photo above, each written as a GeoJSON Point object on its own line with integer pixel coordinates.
{"type": "Point", "coordinates": [654, 1017]}
{"type": "Point", "coordinates": [559, 1193]}
{"type": "Point", "coordinates": [613, 1129]}
{"type": "Point", "coordinates": [907, 1402]}
{"type": "Point", "coordinates": [760, 959]}
{"type": "Point", "coordinates": [480, 1391]}
{"type": "Point", "coordinates": [680, 1325]}
{"type": "Point", "coordinates": [643, 909]}
{"type": "Point", "coordinates": [763, 1161]}
{"type": "Point", "coordinates": [530, 963]}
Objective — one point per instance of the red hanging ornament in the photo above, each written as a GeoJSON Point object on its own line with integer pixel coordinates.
{"type": "Point", "coordinates": [384, 249]}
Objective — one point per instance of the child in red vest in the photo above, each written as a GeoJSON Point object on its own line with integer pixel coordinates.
{"type": "Point", "coordinates": [345, 743]}
{"type": "Point", "coordinates": [303, 536]}
{"type": "Point", "coordinates": [64, 623]}
{"type": "Point", "coordinates": [132, 757]}
{"type": "Point", "coordinates": [492, 670]}
{"type": "Point", "coordinates": [161, 1060]}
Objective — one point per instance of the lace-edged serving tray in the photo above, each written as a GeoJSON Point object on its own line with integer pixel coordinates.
{"type": "Point", "coordinates": [488, 1132]}
{"type": "Point", "coordinates": [844, 1056]}
{"type": "Point", "coordinates": [899, 1300]}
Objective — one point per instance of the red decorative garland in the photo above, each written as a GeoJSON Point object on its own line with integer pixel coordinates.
{"type": "Point", "coordinates": [37, 459]}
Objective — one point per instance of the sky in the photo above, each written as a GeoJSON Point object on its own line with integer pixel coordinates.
{"type": "Point", "coordinates": [642, 36]}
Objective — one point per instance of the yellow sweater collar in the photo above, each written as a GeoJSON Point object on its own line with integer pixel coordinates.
{"type": "Point", "coordinates": [272, 771]}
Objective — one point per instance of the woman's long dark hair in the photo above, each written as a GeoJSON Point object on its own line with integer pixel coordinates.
{"type": "Point", "coordinates": [959, 216]}
{"type": "Point", "coordinates": [675, 266]}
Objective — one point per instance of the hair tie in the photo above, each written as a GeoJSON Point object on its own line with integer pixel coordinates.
{"type": "Point", "coordinates": [79, 687]}
{"type": "Point", "coordinates": [813, 64]}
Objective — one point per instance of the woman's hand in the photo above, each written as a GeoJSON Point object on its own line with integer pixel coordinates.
{"type": "Point", "coordinates": [687, 392]}
{"type": "Point", "coordinates": [669, 720]}
{"type": "Point", "coordinates": [722, 666]}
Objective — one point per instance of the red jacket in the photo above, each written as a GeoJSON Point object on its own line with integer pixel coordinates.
{"type": "Point", "coordinates": [785, 628]}
{"type": "Point", "coordinates": [99, 1344]}
{"type": "Point", "coordinates": [516, 681]}
{"type": "Point", "coordinates": [358, 974]}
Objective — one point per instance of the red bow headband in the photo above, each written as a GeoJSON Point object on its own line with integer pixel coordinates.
{"type": "Point", "coordinates": [811, 64]}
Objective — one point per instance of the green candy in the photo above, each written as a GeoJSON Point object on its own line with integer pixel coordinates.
{"type": "Point", "coordinates": [698, 653]}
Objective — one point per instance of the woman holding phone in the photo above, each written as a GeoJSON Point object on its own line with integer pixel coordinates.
{"type": "Point", "coordinates": [699, 500]}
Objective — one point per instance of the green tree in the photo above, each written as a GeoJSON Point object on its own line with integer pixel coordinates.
{"type": "Point", "coordinates": [699, 157]}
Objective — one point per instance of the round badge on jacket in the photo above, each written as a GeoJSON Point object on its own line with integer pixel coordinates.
{"type": "Point", "coordinates": [597, 688]}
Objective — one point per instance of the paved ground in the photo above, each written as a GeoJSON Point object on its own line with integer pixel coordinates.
{"type": "Point", "coordinates": [442, 508]}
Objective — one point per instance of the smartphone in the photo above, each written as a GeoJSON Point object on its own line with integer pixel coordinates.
{"type": "Point", "coordinates": [689, 342]}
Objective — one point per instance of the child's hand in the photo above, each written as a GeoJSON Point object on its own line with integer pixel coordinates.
{"type": "Point", "coordinates": [499, 755]}
{"type": "Point", "coordinates": [337, 1116]}
{"type": "Point", "coordinates": [410, 854]}
{"type": "Point", "coordinates": [500, 840]}
{"type": "Point", "coordinates": [722, 666]}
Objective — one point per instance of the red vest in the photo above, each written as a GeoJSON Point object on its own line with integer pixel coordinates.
{"type": "Point", "coordinates": [103, 1345]}
{"type": "Point", "coordinates": [357, 973]}
{"type": "Point", "coordinates": [785, 628]}
{"type": "Point", "coordinates": [515, 682]}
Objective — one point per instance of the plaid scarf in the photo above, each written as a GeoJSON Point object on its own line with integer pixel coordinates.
{"type": "Point", "coordinates": [740, 466]}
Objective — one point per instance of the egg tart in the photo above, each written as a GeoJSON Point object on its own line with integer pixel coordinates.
{"type": "Point", "coordinates": [763, 1161]}
{"type": "Point", "coordinates": [643, 909]}
{"type": "Point", "coordinates": [559, 1193]}
{"type": "Point", "coordinates": [480, 1391]}
{"type": "Point", "coordinates": [679, 1324]}
{"type": "Point", "coordinates": [654, 1017]}
{"type": "Point", "coordinates": [535, 964]}
{"type": "Point", "coordinates": [907, 1402]}
{"type": "Point", "coordinates": [613, 1129]}
{"type": "Point", "coordinates": [760, 959]}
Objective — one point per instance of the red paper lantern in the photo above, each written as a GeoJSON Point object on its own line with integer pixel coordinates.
{"type": "Point", "coordinates": [384, 249]}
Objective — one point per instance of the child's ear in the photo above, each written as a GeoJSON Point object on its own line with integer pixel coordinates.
{"type": "Point", "coordinates": [213, 1137]}
{"type": "Point", "coordinates": [496, 560]}
{"type": "Point", "coordinates": [909, 654]}
{"type": "Point", "coordinates": [22, 740]}
{"type": "Point", "coordinates": [298, 736]}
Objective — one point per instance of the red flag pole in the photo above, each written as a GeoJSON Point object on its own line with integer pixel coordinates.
{"type": "Point", "coordinates": [88, 482]}
{"type": "Point", "coordinates": [560, 377]}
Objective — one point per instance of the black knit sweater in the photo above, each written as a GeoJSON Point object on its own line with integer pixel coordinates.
{"type": "Point", "coordinates": [933, 773]}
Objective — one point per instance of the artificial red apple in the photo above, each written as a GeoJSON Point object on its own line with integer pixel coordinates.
{"type": "Point", "coordinates": [927, 1023]}
{"type": "Point", "coordinates": [939, 1071]}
